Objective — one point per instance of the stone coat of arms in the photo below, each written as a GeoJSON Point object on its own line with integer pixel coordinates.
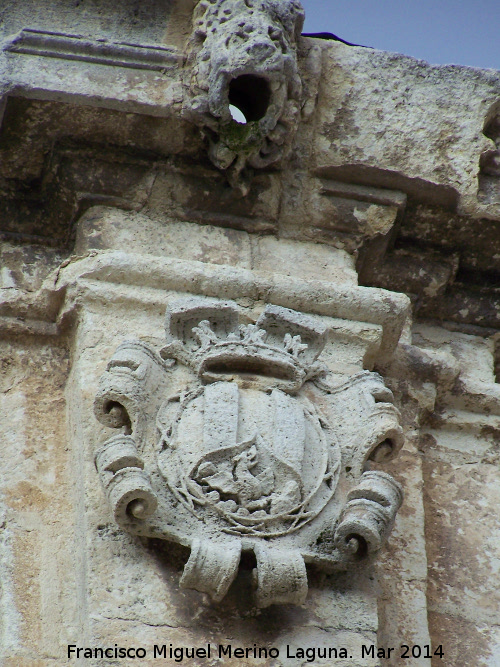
{"type": "Point", "coordinates": [235, 437]}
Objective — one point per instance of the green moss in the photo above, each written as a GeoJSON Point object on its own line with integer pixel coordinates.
{"type": "Point", "coordinates": [241, 137]}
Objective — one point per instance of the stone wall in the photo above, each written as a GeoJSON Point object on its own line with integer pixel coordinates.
{"type": "Point", "coordinates": [360, 203]}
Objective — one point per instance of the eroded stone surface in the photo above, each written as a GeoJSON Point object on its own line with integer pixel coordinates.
{"type": "Point", "coordinates": [244, 452]}
{"type": "Point", "coordinates": [111, 209]}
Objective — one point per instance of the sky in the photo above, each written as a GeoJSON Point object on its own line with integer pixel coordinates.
{"type": "Point", "coordinates": [439, 31]}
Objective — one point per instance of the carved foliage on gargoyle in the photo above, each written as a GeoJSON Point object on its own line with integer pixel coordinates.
{"type": "Point", "coordinates": [489, 175]}
{"type": "Point", "coordinates": [243, 52]}
{"type": "Point", "coordinates": [236, 437]}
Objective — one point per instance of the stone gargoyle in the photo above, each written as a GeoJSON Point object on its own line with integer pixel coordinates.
{"type": "Point", "coordinates": [243, 52]}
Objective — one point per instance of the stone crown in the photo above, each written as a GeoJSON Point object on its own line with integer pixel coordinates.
{"type": "Point", "coordinates": [218, 348]}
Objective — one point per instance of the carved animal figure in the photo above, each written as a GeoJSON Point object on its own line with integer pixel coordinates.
{"type": "Point", "coordinates": [251, 487]}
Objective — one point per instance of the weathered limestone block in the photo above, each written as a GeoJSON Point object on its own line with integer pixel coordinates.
{"type": "Point", "coordinates": [418, 111]}
{"type": "Point", "coordinates": [39, 601]}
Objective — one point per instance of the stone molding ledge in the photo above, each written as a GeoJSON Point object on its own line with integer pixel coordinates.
{"type": "Point", "coordinates": [61, 291]}
{"type": "Point", "coordinates": [101, 52]}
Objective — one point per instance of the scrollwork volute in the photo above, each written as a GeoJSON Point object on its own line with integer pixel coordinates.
{"type": "Point", "coordinates": [235, 437]}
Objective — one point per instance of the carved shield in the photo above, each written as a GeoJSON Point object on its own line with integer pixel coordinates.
{"type": "Point", "coordinates": [260, 461]}
{"type": "Point", "coordinates": [235, 437]}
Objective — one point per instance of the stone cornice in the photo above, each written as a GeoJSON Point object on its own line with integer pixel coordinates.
{"type": "Point", "coordinates": [394, 163]}
{"type": "Point", "coordinates": [100, 52]}
{"type": "Point", "coordinates": [65, 289]}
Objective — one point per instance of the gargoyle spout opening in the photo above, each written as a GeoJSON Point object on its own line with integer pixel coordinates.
{"type": "Point", "coordinates": [250, 94]}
